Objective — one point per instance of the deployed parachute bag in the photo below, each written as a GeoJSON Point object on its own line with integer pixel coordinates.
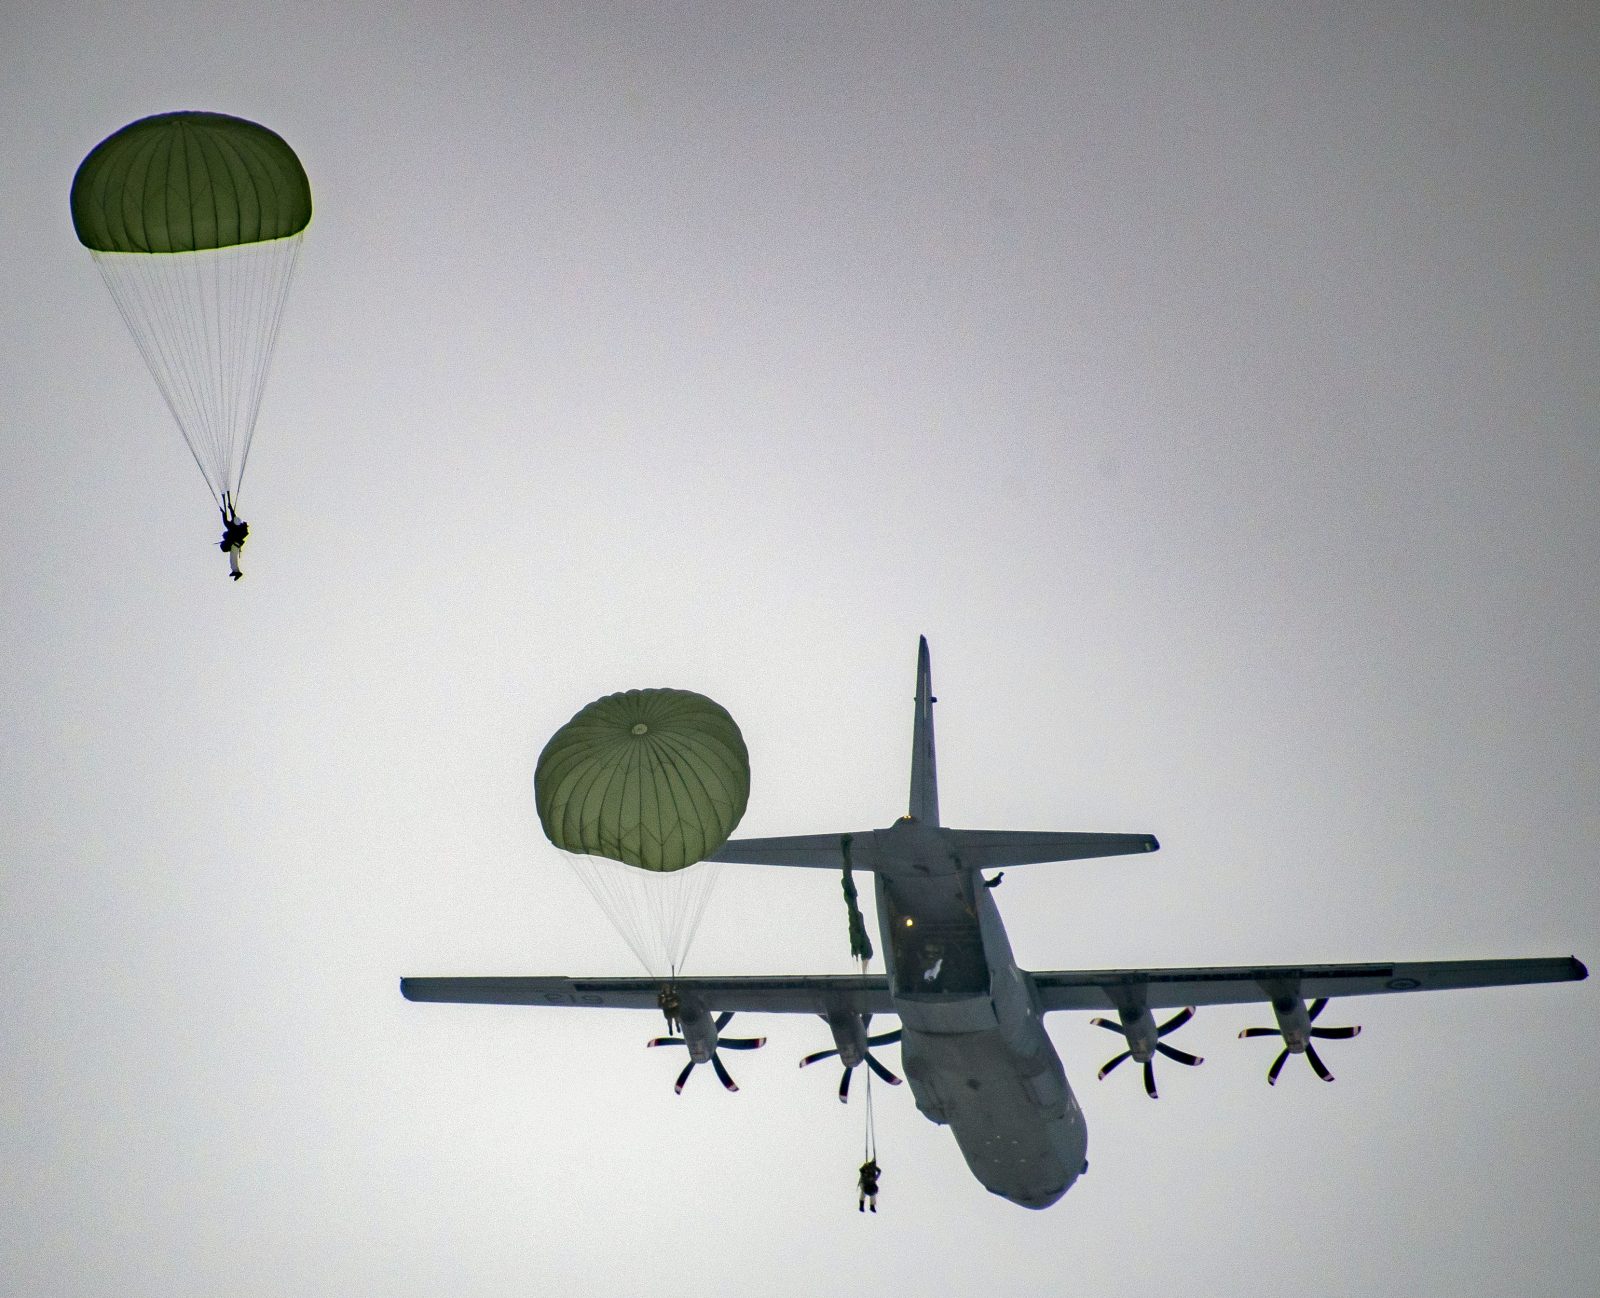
{"type": "Point", "coordinates": [637, 789]}
{"type": "Point", "coordinates": [195, 222]}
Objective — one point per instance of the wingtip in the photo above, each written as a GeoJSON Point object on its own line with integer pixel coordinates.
{"type": "Point", "coordinates": [1580, 971]}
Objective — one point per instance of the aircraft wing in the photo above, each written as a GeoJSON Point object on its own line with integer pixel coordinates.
{"type": "Point", "coordinates": [1091, 989]}
{"type": "Point", "coordinates": [1155, 989]}
{"type": "Point", "coordinates": [795, 994]}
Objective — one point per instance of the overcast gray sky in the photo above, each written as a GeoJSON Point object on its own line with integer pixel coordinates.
{"type": "Point", "coordinates": [1215, 386]}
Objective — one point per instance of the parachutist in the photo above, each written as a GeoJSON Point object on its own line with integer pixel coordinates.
{"type": "Point", "coordinates": [672, 1008]}
{"type": "Point", "coordinates": [868, 1183]}
{"type": "Point", "coordinates": [234, 532]}
{"type": "Point", "coordinates": [194, 221]}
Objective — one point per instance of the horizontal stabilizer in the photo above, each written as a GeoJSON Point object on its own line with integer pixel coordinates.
{"type": "Point", "coordinates": [822, 851]}
{"type": "Point", "coordinates": [896, 848]}
{"type": "Point", "coordinates": [993, 849]}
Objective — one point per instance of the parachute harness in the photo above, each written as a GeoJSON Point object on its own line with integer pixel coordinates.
{"type": "Point", "coordinates": [860, 944]}
{"type": "Point", "coordinates": [671, 1005]}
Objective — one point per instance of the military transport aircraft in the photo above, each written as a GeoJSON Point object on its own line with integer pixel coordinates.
{"type": "Point", "coordinates": [972, 1036]}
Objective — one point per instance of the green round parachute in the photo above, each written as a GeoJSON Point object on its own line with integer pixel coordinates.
{"type": "Point", "coordinates": [653, 778]}
{"type": "Point", "coordinates": [194, 221]}
{"type": "Point", "coordinates": [187, 182]}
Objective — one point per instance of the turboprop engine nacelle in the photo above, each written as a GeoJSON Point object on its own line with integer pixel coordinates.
{"type": "Point", "coordinates": [849, 1036]}
{"type": "Point", "coordinates": [701, 1036]}
{"type": "Point", "coordinates": [1143, 1036]}
{"type": "Point", "coordinates": [1139, 1028]}
{"type": "Point", "coordinates": [1296, 1025]}
{"type": "Point", "coordinates": [699, 1030]}
{"type": "Point", "coordinates": [1293, 1022]}
{"type": "Point", "coordinates": [853, 1047]}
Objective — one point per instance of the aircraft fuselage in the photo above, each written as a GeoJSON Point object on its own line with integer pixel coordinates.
{"type": "Point", "coordinates": [974, 1048]}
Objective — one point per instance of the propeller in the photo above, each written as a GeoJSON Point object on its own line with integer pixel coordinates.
{"type": "Point", "coordinates": [1151, 1045]}
{"type": "Point", "coordinates": [1300, 1042]}
{"type": "Point", "coordinates": [722, 1043]}
{"type": "Point", "coordinates": [882, 1039]}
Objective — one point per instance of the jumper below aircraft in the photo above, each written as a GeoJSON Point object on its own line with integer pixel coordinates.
{"type": "Point", "coordinates": [972, 1036]}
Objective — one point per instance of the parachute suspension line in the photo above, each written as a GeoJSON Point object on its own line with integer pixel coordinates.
{"type": "Point", "coordinates": [869, 1146]}
{"type": "Point", "coordinates": [273, 292]}
{"type": "Point", "coordinates": [860, 944]}
{"type": "Point", "coordinates": [205, 324]}
{"type": "Point", "coordinates": [656, 913]}
{"type": "Point", "coordinates": [157, 331]}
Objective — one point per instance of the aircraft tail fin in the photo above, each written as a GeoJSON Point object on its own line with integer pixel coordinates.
{"type": "Point", "coordinates": [924, 806]}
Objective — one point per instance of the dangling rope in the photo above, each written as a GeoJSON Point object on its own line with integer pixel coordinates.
{"type": "Point", "coordinates": [869, 1147]}
{"type": "Point", "coordinates": [860, 944]}
{"type": "Point", "coordinates": [869, 1172]}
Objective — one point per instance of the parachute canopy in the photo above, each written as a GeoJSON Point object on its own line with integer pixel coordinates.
{"type": "Point", "coordinates": [186, 182]}
{"type": "Point", "coordinates": [656, 779]}
{"type": "Point", "coordinates": [195, 222]}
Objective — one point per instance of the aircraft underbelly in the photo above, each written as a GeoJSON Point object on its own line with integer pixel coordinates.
{"type": "Point", "coordinates": [1022, 1135]}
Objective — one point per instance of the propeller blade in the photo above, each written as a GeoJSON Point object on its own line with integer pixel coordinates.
{"type": "Point", "coordinates": [722, 1019]}
{"type": "Point", "coordinates": [1107, 1023]}
{"type": "Point", "coordinates": [1277, 1067]}
{"type": "Point", "coordinates": [1258, 1032]}
{"type": "Point", "coordinates": [665, 1041]}
{"type": "Point", "coordinates": [1150, 1079]}
{"type": "Point", "coordinates": [740, 1043]}
{"type": "Point", "coordinates": [1316, 1007]}
{"type": "Point", "coordinates": [1335, 1034]}
{"type": "Point", "coordinates": [1322, 1068]}
{"type": "Point", "coordinates": [1182, 1056]}
{"type": "Point", "coordinates": [821, 1054]}
{"type": "Point", "coordinates": [883, 1073]}
{"type": "Point", "coordinates": [683, 1077]}
{"type": "Point", "coordinates": [722, 1073]}
{"type": "Point", "coordinates": [844, 1085]}
{"type": "Point", "coordinates": [884, 1038]}
{"type": "Point", "coordinates": [1112, 1063]}
{"type": "Point", "coordinates": [1176, 1021]}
